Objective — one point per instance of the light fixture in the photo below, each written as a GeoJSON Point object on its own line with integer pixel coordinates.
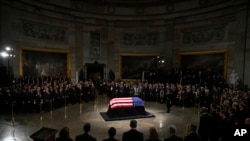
{"type": "Point", "coordinates": [8, 52]}
{"type": "Point", "coordinates": [8, 48]}
{"type": "Point", "coordinates": [159, 59]}
{"type": "Point", "coordinates": [4, 54]}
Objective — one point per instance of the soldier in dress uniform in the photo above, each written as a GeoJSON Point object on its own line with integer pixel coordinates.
{"type": "Point", "coordinates": [46, 99]}
{"type": "Point", "coordinates": [168, 100]}
{"type": "Point", "coordinates": [121, 89]}
{"type": "Point", "coordinates": [67, 92]}
{"type": "Point", "coordinates": [162, 94]}
{"type": "Point", "coordinates": [70, 91]}
{"type": "Point", "coordinates": [23, 100]}
{"type": "Point", "coordinates": [140, 89]}
{"type": "Point", "coordinates": [179, 97]}
{"type": "Point", "coordinates": [156, 92]}
{"type": "Point", "coordinates": [52, 90]}
{"type": "Point", "coordinates": [131, 89]}
{"type": "Point", "coordinates": [93, 91]}
{"type": "Point", "coordinates": [59, 97]}
{"type": "Point", "coordinates": [116, 90]}
{"type": "Point", "coordinates": [30, 99]}
{"type": "Point", "coordinates": [38, 101]}
{"type": "Point", "coordinates": [145, 91]}
{"type": "Point", "coordinates": [125, 90]}
{"type": "Point", "coordinates": [79, 92]}
{"type": "Point", "coordinates": [86, 91]}
{"type": "Point", "coordinates": [150, 92]}
{"type": "Point", "coordinates": [136, 90]}
{"type": "Point", "coordinates": [111, 89]}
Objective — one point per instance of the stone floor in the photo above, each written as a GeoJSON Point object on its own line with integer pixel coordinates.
{"type": "Point", "coordinates": [19, 127]}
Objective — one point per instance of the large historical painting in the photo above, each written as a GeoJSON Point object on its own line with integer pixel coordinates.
{"type": "Point", "coordinates": [44, 62]}
{"type": "Point", "coordinates": [208, 61]}
{"type": "Point", "coordinates": [132, 65]}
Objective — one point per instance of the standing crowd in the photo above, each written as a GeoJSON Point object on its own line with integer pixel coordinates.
{"type": "Point", "coordinates": [224, 107]}
{"type": "Point", "coordinates": [133, 134]}
{"type": "Point", "coordinates": [41, 93]}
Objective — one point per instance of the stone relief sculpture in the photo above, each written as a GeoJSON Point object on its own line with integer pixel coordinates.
{"type": "Point", "coordinates": [43, 31]}
{"type": "Point", "coordinates": [204, 35]}
{"type": "Point", "coordinates": [111, 10]}
{"type": "Point", "coordinates": [203, 2]}
{"type": "Point", "coordinates": [170, 7]}
{"type": "Point", "coordinates": [111, 75]}
{"type": "Point", "coordinates": [95, 44]}
{"type": "Point", "coordinates": [139, 39]}
{"type": "Point", "coordinates": [139, 10]}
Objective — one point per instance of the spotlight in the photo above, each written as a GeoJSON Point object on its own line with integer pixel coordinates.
{"type": "Point", "coordinates": [4, 54]}
{"type": "Point", "coordinates": [7, 48]}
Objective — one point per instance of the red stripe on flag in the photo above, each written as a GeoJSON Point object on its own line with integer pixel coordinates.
{"type": "Point", "coordinates": [121, 100]}
{"type": "Point", "coordinates": [122, 105]}
{"type": "Point", "coordinates": [126, 102]}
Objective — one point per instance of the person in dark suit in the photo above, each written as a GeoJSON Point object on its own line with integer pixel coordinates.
{"type": "Point", "coordinates": [224, 127]}
{"type": "Point", "coordinates": [111, 133]}
{"type": "Point", "coordinates": [172, 133]}
{"type": "Point", "coordinates": [85, 136]}
{"type": "Point", "coordinates": [133, 134]}
{"type": "Point", "coordinates": [64, 135]}
{"type": "Point", "coordinates": [153, 135]}
{"type": "Point", "coordinates": [193, 135]}
{"type": "Point", "coordinates": [247, 127]}
{"type": "Point", "coordinates": [168, 100]}
{"type": "Point", "coordinates": [215, 120]}
{"type": "Point", "coordinates": [205, 128]}
{"type": "Point", "coordinates": [238, 136]}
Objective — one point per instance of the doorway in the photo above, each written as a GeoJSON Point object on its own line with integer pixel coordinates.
{"type": "Point", "coordinates": [95, 71]}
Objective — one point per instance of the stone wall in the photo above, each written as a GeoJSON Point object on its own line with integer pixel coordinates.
{"type": "Point", "coordinates": [93, 33]}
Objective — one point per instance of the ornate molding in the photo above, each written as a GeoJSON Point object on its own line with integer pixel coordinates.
{"type": "Point", "coordinates": [43, 31]}
{"type": "Point", "coordinates": [95, 44]}
{"type": "Point", "coordinates": [203, 2]}
{"type": "Point", "coordinates": [170, 7]}
{"type": "Point", "coordinates": [139, 10]}
{"type": "Point", "coordinates": [204, 35]}
{"type": "Point", "coordinates": [111, 10]}
{"type": "Point", "coordinates": [139, 39]}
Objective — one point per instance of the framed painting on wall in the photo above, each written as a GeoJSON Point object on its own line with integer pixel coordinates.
{"type": "Point", "coordinates": [44, 62]}
{"type": "Point", "coordinates": [205, 60]}
{"type": "Point", "coordinates": [131, 65]}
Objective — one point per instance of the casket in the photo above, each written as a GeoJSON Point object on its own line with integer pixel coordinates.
{"type": "Point", "coordinates": [126, 106]}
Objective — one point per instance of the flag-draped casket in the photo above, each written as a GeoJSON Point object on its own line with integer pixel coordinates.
{"type": "Point", "coordinates": [126, 106]}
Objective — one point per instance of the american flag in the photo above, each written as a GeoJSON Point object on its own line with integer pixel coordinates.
{"type": "Point", "coordinates": [126, 102]}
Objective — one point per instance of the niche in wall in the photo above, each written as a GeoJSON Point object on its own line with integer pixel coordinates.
{"type": "Point", "coordinates": [95, 71]}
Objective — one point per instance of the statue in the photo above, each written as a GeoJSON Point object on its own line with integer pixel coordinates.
{"type": "Point", "coordinates": [81, 75]}
{"type": "Point", "coordinates": [233, 78]}
{"type": "Point", "coordinates": [111, 75]}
